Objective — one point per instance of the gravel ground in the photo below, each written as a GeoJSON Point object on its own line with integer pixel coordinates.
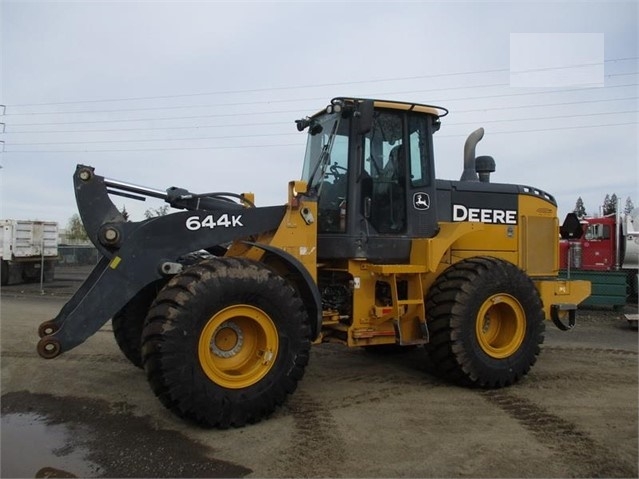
{"type": "Point", "coordinates": [90, 413]}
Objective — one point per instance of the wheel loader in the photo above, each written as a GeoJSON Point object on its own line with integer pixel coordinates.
{"type": "Point", "coordinates": [220, 301]}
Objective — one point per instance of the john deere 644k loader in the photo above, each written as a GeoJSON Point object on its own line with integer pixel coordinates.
{"type": "Point", "coordinates": [220, 302]}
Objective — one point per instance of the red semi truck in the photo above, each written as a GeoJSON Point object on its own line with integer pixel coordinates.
{"type": "Point", "coordinates": [604, 250]}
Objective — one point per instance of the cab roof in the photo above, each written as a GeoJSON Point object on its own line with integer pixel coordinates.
{"type": "Point", "coordinates": [437, 111]}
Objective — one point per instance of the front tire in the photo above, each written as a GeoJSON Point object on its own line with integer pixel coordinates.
{"type": "Point", "coordinates": [486, 322]}
{"type": "Point", "coordinates": [225, 342]}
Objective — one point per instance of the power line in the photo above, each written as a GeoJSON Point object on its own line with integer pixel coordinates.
{"type": "Point", "coordinates": [546, 117]}
{"type": "Point", "coordinates": [220, 115]}
{"type": "Point", "coordinates": [224, 137]}
{"type": "Point", "coordinates": [605, 125]}
{"type": "Point", "coordinates": [153, 108]}
{"type": "Point", "coordinates": [106, 130]}
{"type": "Point", "coordinates": [553, 129]}
{"type": "Point", "coordinates": [265, 102]}
{"type": "Point", "coordinates": [545, 105]}
{"type": "Point", "coordinates": [231, 147]}
{"type": "Point", "coordinates": [318, 85]}
{"type": "Point", "coordinates": [196, 127]}
{"type": "Point", "coordinates": [194, 117]}
{"type": "Point", "coordinates": [535, 93]}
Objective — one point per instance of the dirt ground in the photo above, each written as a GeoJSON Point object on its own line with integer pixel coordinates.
{"type": "Point", "coordinates": [90, 413]}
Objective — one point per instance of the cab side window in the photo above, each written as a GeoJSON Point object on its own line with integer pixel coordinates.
{"type": "Point", "coordinates": [418, 151]}
{"type": "Point", "coordinates": [385, 164]}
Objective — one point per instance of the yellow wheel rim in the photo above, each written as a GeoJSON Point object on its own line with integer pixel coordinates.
{"type": "Point", "coordinates": [500, 326]}
{"type": "Point", "coordinates": [238, 346]}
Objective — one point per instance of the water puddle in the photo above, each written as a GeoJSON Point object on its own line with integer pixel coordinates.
{"type": "Point", "coordinates": [49, 436]}
{"type": "Point", "coordinates": [32, 448]}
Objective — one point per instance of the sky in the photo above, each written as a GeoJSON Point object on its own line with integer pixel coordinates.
{"type": "Point", "coordinates": [203, 95]}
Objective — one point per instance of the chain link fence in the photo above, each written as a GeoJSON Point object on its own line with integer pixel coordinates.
{"type": "Point", "coordinates": [77, 255]}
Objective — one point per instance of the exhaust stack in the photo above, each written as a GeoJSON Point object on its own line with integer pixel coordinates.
{"type": "Point", "coordinates": [469, 173]}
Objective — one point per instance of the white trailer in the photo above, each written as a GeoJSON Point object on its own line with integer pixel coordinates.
{"type": "Point", "coordinates": [28, 250]}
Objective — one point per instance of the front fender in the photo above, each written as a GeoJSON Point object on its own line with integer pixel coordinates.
{"type": "Point", "coordinates": [306, 286]}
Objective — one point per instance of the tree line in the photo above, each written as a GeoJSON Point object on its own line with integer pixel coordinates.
{"type": "Point", "coordinates": [609, 206]}
{"type": "Point", "coordinates": [76, 231]}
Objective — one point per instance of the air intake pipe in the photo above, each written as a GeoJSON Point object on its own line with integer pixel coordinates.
{"type": "Point", "coordinates": [469, 173]}
{"type": "Point", "coordinates": [484, 166]}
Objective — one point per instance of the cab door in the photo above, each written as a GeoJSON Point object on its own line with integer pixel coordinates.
{"type": "Point", "coordinates": [397, 188]}
{"type": "Point", "coordinates": [421, 197]}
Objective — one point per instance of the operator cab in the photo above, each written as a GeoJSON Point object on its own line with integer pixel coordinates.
{"type": "Point", "coordinates": [370, 165]}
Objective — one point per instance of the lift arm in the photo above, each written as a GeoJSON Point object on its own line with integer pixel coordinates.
{"type": "Point", "coordinates": [134, 254]}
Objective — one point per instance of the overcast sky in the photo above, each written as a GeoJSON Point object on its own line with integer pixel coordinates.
{"type": "Point", "coordinates": [204, 95]}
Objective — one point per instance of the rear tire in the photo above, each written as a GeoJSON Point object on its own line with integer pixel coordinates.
{"type": "Point", "coordinates": [128, 323]}
{"type": "Point", "coordinates": [4, 273]}
{"type": "Point", "coordinates": [486, 323]}
{"type": "Point", "coordinates": [225, 342]}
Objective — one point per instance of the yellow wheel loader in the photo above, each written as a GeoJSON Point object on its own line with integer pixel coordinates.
{"type": "Point", "coordinates": [221, 301]}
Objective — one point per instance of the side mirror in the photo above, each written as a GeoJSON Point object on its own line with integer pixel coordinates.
{"type": "Point", "coordinates": [571, 229]}
{"type": "Point", "coordinates": [365, 116]}
{"type": "Point", "coordinates": [315, 128]}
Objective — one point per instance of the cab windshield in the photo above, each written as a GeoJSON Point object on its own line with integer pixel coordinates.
{"type": "Point", "coordinates": [320, 142]}
{"type": "Point", "coordinates": [325, 169]}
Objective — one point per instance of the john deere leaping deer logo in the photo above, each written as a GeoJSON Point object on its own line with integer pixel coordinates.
{"type": "Point", "coordinates": [421, 201]}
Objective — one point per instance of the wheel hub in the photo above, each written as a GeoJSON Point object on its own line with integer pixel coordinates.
{"type": "Point", "coordinates": [238, 346]}
{"type": "Point", "coordinates": [501, 325]}
{"type": "Point", "coordinates": [227, 340]}
{"type": "Point", "coordinates": [486, 326]}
